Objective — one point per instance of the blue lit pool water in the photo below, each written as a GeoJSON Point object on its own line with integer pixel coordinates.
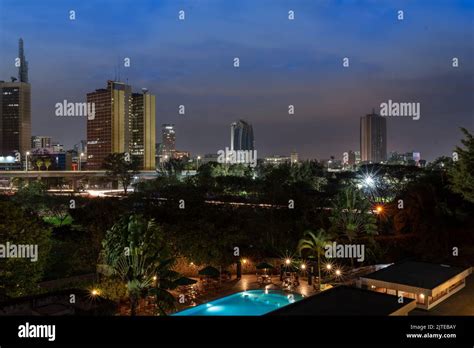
{"type": "Point", "coordinates": [251, 302]}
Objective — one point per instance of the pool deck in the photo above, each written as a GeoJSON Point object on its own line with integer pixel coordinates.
{"type": "Point", "coordinates": [248, 282]}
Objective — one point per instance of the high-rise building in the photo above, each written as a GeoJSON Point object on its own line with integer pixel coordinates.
{"type": "Point", "coordinates": [23, 68]}
{"type": "Point", "coordinates": [373, 138]}
{"type": "Point", "coordinates": [123, 122]}
{"type": "Point", "coordinates": [168, 141]}
{"type": "Point", "coordinates": [294, 157]}
{"type": "Point", "coordinates": [142, 129]}
{"type": "Point", "coordinates": [40, 142]}
{"type": "Point", "coordinates": [241, 136]}
{"type": "Point", "coordinates": [15, 111]}
{"type": "Point", "coordinates": [108, 130]}
{"type": "Point", "coordinates": [349, 158]}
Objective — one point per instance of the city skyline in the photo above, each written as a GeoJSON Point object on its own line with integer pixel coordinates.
{"type": "Point", "coordinates": [279, 67]}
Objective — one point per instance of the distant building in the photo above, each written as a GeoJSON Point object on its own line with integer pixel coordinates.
{"type": "Point", "coordinates": [277, 159]}
{"type": "Point", "coordinates": [349, 158]}
{"type": "Point", "coordinates": [168, 141]}
{"type": "Point", "coordinates": [357, 157]}
{"type": "Point", "coordinates": [142, 130]}
{"type": "Point", "coordinates": [208, 158]}
{"type": "Point", "coordinates": [57, 147]}
{"type": "Point", "coordinates": [39, 142]}
{"type": "Point", "coordinates": [294, 157]}
{"type": "Point", "coordinates": [181, 154]}
{"type": "Point", "coordinates": [373, 138]}
{"type": "Point", "coordinates": [9, 163]}
{"type": "Point", "coordinates": [15, 111]}
{"type": "Point", "coordinates": [47, 159]}
{"type": "Point", "coordinates": [407, 159]}
{"type": "Point", "coordinates": [15, 118]}
{"type": "Point", "coordinates": [123, 122]}
{"type": "Point", "coordinates": [241, 136]}
{"type": "Point", "coordinates": [108, 132]}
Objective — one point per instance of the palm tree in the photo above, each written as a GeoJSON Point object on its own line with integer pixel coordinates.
{"type": "Point", "coordinates": [47, 163]}
{"type": "Point", "coordinates": [352, 216]}
{"type": "Point", "coordinates": [39, 164]}
{"type": "Point", "coordinates": [314, 243]}
{"type": "Point", "coordinates": [133, 269]}
{"type": "Point", "coordinates": [135, 250]}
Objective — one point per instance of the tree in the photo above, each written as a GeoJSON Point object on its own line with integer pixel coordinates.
{"type": "Point", "coordinates": [171, 167]}
{"type": "Point", "coordinates": [120, 167]}
{"type": "Point", "coordinates": [47, 163]}
{"type": "Point", "coordinates": [19, 276]}
{"type": "Point", "coordinates": [39, 163]}
{"type": "Point", "coordinates": [352, 216]}
{"type": "Point", "coordinates": [314, 244]}
{"type": "Point", "coordinates": [31, 196]}
{"type": "Point", "coordinates": [136, 251]}
{"type": "Point", "coordinates": [462, 172]}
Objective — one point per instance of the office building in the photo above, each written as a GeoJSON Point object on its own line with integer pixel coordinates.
{"type": "Point", "coordinates": [40, 142]}
{"type": "Point", "coordinates": [373, 138]}
{"type": "Point", "coordinates": [108, 130]}
{"type": "Point", "coordinates": [15, 111]}
{"type": "Point", "coordinates": [168, 141]}
{"type": "Point", "coordinates": [123, 122]}
{"type": "Point", "coordinates": [241, 136]}
{"type": "Point", "coordinates": [142, 130]}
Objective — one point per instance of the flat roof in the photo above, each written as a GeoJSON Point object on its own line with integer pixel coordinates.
{"type": "Point", "coordinates": [417, 274]}
{"type": "Point", "coordinates": [345, 300]}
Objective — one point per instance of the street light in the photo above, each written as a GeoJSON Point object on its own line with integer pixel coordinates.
{"type": "Point", "coordinates": [197, 162]}
{"type": "Point", "coordinates": [369, 181]}
{"type": "Point", "coordinates": [27, 154]}
{"type": "Point", "coordinates": [80, 160]}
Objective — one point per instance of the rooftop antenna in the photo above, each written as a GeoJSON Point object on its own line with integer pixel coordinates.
{"type": "Point", "coordinates": [118, 66]}
{"type": "Point", "coordinates": [13, 78]}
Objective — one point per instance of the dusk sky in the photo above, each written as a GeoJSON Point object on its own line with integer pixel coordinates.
{"type": "Point", "coordinates": [282, 62]}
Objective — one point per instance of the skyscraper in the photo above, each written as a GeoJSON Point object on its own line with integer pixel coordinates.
{"type": "Point", "coordinates": [142, 129]}
{"type": "Point", "coordinates": [108, 132]}
{"type": "Point", "coordinates": [15, 111]}
{"type": "Point", "coordinates": [23, 68]}
{"type": "Point", "coordinates": [123, 122]}
{"type": "Point", "coordinates": [168, 142]}
{"type": "Point", "coordinates": [241, 136]}
{"type": "Point", "coordinates": [373, 138]}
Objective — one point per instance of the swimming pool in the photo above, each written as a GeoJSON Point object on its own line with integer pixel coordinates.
{"type": "Point", "coordinates": [251, 302]}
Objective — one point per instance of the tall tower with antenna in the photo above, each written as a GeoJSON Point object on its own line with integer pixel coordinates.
{"type": "Point", "coordinates": [23, 68]}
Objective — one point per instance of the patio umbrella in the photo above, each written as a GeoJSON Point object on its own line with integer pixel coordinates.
{"type": "Point", "coordinates": [209, 271]}
{"type": "Point", "coordinates": [264, 265]}
{"type": "Point", "coordinates": [290, 268]}
{"type": "Point", "coordinates": [183, 281]}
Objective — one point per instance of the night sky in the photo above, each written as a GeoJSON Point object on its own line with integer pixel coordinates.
{"type": "Point", "coordinates": [282, 62]}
